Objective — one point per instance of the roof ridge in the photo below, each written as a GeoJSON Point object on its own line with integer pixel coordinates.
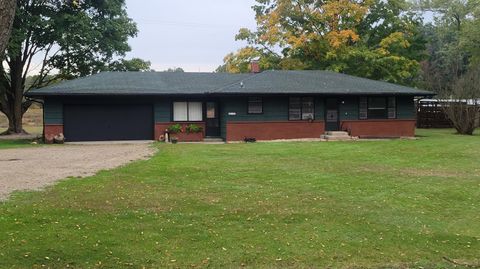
{"type": "Point", "coordinates": [253, 75]}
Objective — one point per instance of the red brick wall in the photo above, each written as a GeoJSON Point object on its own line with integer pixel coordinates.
{"type": "Point", "coordinates": [237, 131]}
{"type": "Point", "coordinates": [51, 130]}
{"type": "Point", "coordinates": [380, 128]}
{"type": "Point", "coordinates": [183, 136]}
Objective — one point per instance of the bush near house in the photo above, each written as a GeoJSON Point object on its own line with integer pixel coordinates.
{"type": "Point", "coordinates": [193, 129]}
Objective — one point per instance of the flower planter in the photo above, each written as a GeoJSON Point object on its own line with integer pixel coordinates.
{"type": "Point", "coordinates": [182, 135]}
{"type": "Point", "coordinates": [192, 137]}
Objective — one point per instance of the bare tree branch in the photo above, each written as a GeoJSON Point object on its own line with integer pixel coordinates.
{"type": "Point", "coordinates": [463, 106]}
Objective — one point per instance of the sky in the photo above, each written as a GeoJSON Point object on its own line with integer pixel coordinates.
{"type": "Point", "coordinates": [191, 34]}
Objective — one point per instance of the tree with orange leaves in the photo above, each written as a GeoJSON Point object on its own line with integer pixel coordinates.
{"type": "Point", "coordinates": [334, 35]}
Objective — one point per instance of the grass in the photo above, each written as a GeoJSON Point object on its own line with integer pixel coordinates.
{"type": "Point", "coordinates": [7, 144]}
{"type": "Point", "coordinates": [32, 121]}
{"type": "Point", "coordinates": [379, 204]}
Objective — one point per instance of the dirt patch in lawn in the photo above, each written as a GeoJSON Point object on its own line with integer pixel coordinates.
{"type": "Point", "coordinates": [37, 167]}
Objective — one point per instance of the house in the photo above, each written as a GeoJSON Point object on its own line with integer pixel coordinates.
{"type": "Point", "coordinates": [266, 106]}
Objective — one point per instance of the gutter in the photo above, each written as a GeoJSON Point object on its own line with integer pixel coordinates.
{"type": "Point", "coordinates": [42, 95]}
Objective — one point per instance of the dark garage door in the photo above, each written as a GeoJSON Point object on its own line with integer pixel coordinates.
{"type": "Point", "coordinates": [108, 122]}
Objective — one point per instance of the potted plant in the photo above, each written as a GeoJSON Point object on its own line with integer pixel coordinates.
{"type": "Point", "coordinates": [174, 129]}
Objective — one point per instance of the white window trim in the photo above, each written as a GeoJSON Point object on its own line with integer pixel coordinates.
{"type": "Point", "coordinates": [188, 115]}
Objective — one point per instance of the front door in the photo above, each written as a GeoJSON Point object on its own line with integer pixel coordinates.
{"type": "Point", "coordinates": [212, 124]}
{"type": "Point", "coordinates": [332, 120]}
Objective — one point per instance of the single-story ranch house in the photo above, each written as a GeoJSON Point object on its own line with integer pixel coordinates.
{"type": "Point", "coordinates": [266, 106]}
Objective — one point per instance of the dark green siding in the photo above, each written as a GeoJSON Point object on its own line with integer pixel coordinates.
{"type": "Point", "coordinates": [319, 108]}
{"type": "Point", "coordinates": [274, 109]}
{"type": "Point", "coordinates": [53, 111]}
{"type": "Point", "coordinates": [406, 108]}
{"type": "Point", "coordinates": [348, 108]}
{"type": "Point", "coordinates": [163, 110]}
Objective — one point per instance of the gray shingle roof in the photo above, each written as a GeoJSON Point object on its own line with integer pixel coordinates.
{"type": "Point", "coordinates": [268, 82]}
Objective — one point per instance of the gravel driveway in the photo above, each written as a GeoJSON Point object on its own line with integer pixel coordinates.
{"type": "Point", "coordinates": [37, 167]}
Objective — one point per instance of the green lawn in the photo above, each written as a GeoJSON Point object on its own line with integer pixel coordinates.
{"type": "Point", "coordinates": [400, 203]}
{"type": "Point", "coordinates": [7, 144]}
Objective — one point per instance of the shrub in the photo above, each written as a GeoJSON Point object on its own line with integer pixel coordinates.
{"type": "Point", "coordinates": [193, 129]}
{"type": "Point", "coordinates": [463, 106]}
{"type": "Point", "coordinates": [250, 139]}
{"type": "Point", "coordinates": [175, 129]}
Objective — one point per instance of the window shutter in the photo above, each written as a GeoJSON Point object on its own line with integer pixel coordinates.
{"type": "Point", "coordinates": [295, 109]}
{"type": "Point", "coordinates": [363, 115]}
{"type": "Point", "coordinates": [392, 108]}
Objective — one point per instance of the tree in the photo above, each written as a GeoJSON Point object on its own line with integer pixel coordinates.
{"type": "Point", "coordinates": [71, 37]}
{"type": "Point", "coordinates": [470, 37]}
{"type": "Point", "coordinates": [135, 64]}
{"type": "Point", "coordinates": [7, 13]}
{"type": "Point", "coordinates": [371, 38]}
{"type": "Point", "coordinates": [175, 70]}
{"type": "Point", "coordinates": [462, 106]}
{"type": "Point", "coordinates": [452, 39]}
{"type": "Point", "coordinates": [240, 61]}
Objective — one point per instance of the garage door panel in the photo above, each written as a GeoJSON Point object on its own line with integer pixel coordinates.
{"type": "Point", "coordinates": [108, 122]}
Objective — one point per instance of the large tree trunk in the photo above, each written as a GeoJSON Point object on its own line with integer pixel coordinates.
{"type": "Point", "coordinates": [15, 106]}
{"type": "Point", "coordinates": [7, 13]}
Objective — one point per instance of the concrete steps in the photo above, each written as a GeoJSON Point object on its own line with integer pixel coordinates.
{"type": "Point", "coordinates": [337, 136]}
{"type": "Point", "coordinates": [213, 140]}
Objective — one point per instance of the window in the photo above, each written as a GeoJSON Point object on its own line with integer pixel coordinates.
{"type": "Point", "coordinates": [307, 108]}
{"type": "Point", "coordinates": [295, 109]}
{"type": "Point", "coordinates": [255, 105]}
{"type": "Point", "coordinates": [211, 110]}
{"type": "Point", "coordinates": [187, 111]}
{"type": "Point", "coordinates": [301, 108]}
{"type": "Point", "coordinates": [195, 111]}
{"type": "Point", "coordinates": [377, 108]}
{"type": "Point", "coordinates": [180, 111]}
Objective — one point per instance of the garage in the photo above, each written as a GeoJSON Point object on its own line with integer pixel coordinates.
{"type": "Point", "coordinates": [108, 122]}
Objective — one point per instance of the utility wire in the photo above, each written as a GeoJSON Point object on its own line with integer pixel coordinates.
{"type": "Point", "coordinates": [185, 24]}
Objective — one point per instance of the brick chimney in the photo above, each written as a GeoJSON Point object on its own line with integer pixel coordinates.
{"type": "Point", "coordinates": [255, 66]}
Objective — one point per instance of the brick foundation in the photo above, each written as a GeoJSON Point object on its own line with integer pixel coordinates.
{"type": "Point", "coordinates": [183, 136]}
{"type": "Point", "coordinates": [380, 128]}
{"type": "Point", "coordinates": [51, 130]}
{"type": "Point", "coordinates": [238, 131]}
